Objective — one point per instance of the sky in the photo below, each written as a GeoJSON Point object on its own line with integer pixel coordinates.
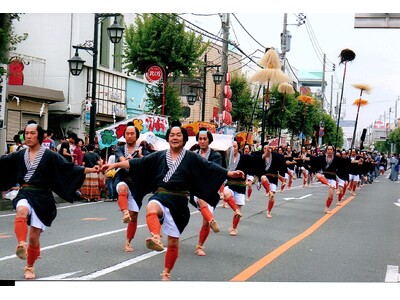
{"type": "Point", "coordinates": [377, 62]}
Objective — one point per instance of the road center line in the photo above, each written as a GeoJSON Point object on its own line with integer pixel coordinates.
{"type": "Point", "coordinates": [266, 260]}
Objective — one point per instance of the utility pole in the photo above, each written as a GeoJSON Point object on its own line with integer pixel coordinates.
{"type": "Point", "coordinates": [384, 122]}
{"type": "Point", "coordinates": [330, 109]}
{"type": "Point", "coordinates": [323, 82]}
{"type": "Point", "coordinates": [396, 125]}
{"type": "Point", "coordinates": [284, 41]}
{"type": "Point", "coordinates": [224, 64]}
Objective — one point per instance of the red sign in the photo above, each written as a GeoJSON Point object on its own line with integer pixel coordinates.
{"type": "Point", "coordinates": [16, 72]}
{"type": "Point", "coordinates": [154, 73]}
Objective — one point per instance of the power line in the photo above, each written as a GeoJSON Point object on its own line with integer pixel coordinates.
{"type": "Point", "coordinates": [263, 47]}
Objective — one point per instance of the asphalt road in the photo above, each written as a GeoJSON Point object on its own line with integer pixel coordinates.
{"type": "Point", "coordinates": [358, 242]}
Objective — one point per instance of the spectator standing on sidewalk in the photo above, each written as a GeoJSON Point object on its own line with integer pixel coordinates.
{"type": "Point", "coordinates": [90, 189]}
{"type": "Point", "coordinates": [394, 167]}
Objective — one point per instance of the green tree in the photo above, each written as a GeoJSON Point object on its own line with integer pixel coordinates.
{"type": "Point", "coordinates": [8, 38]}
{"type": "Point", "coordinates": [296, 117]}
{"type": "Point", "coordinates": [394, 137]}
{"type": "Point", "coordinates": [382, 146]}
{"type": "Point", "coordinates": [242, 102]}
{"type": "Point", "coordinates": [161, 39]}
{"type": "Point", "coordinates": [329, 137]}
{"type": "Point", "coordinates": [173, 106]}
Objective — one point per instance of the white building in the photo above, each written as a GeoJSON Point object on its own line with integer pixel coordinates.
{"type": "Point", "coordinates": [47, 79]}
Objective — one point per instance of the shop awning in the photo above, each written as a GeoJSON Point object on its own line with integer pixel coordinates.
{"type": "Point", "coordinates": [36, 93]}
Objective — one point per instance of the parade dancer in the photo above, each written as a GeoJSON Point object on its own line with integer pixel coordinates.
{"type": "Point", "coordinates": [249, 178]}
{"type": "Point", "coordinates": [171, 175]}
{"type": "Point", "coordinates": [206, 207]}
{"type": "Point", "coordinates": [283, 178]}
{"type": "Point", "coordinates": [342, 177]}
{"type": "Point", "coordinates": [235, 189]}
{"type": "Point", "coordinates": [290, 162]}
{"type": "Point", "coordinates": [39, 172]}
{"type": "Point", "coordinates": [354, 171]}
{"type": "Point", "coordinates": [127, 203]}
{"type": "Point", "coordinates": [329, 164]}
{"type": "Point", "coordinates": [272, 166]}
{"type": "Point", "coordinates": [303, 162]}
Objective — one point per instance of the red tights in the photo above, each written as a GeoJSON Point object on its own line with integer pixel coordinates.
{"type": "Point", "coordinates": [153, 223]}
{"type": "Point", "coordinates": [171, 256]}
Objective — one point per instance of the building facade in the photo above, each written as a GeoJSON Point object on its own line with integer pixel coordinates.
{"type": "Point", "coordinates": [66, 99]}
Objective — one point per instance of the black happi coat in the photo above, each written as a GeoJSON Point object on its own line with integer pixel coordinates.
{"type": "Point", "coordinates": [277, 167]}
{"type": "Point", "coordinates": [319, 163]}
{"type": "Point", "coordinates": [289, 157]}
{"type": "Point", "coordinates": [123, 174]}
{"type": "Point", "coordinates": [343, 172]}
{"type": "Point", "coordinates": [247, 164]}
{"type": "Point", "coordinates": [53, 174]}
{"type": "Point", "coordinates": [216, 158]}
{"type": "Point", "coordinates": [194, 175]}
{"type": "Point", "coordinates": [355, 168]}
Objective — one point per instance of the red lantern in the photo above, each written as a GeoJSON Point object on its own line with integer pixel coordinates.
{"type": "Point", "coordinates": [226, 117]}
{"type": "Point", "coordinates": [228, 91]}
{"type": "Point", "coordinates": [228, 78]}
{"type": "Point", "coordinates": [227, 105]}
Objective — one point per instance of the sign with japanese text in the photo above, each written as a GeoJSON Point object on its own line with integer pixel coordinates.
{"type": "Point", "coordinates": [154, 73]}
{"type": "Point", "coordinates": [109, 136]}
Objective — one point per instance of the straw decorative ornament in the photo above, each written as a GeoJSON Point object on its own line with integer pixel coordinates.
{"type": "Point", "coordinates": [306, 99]}
{"type": "Point", "coordinates": [363, 88]}
{"type": "Point", "coordinates": [346, 55]}
{"type": "Point", "coordinates": [359, 102]}
{"type": "Point", "coordinates": [272, 72]}
{"type": "Point", "coordinates": [285, 88]}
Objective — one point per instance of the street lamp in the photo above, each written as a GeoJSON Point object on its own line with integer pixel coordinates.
{"type": "Point", "coordinates": [191, 97]}
{"type": "Point", "coordinates": [217, 79]}
{"type": "Point", "coordinates": [115, 32]}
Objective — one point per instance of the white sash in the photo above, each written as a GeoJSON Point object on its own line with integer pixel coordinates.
{"type": "Point", "coordinates": [31, 167]}
{"type": "Point", "coordinates": [173, 165]}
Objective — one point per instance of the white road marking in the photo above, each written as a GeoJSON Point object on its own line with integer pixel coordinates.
{"type": "Point", "coordinates": [81, 239]}
{"type": "Point", "coordinates": [74, 241]}
{"type": "Point", "coordinates": [60, 276]}
{"type": "Point", "coordinates": [392, 274]}
{"type": "Point", "coordinates": [302, 197]}
{"type": "Point", "coordinates": [119, 266]}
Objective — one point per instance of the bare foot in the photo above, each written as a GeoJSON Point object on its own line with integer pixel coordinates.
{"type": "Point", "coordinates": [128, 247]}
